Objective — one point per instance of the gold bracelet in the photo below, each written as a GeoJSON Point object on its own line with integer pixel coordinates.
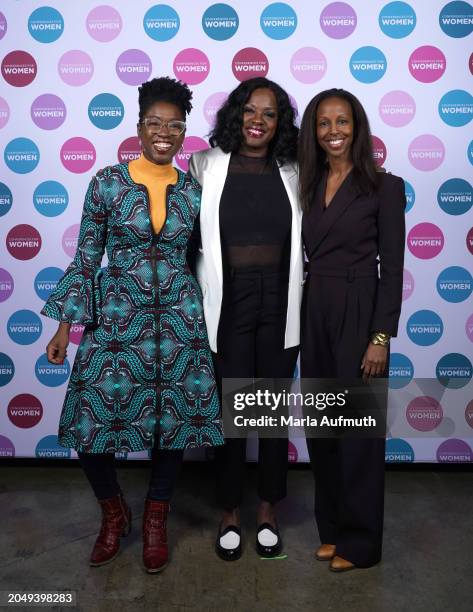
{"type": "Point", "coordinates": [380, 338]}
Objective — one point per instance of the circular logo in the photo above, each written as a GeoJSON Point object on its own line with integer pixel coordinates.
{"type": "Point", "coordinates": [23, 242]}
{"type": "Point", "coordinates": [220, 21]}
{"type": "Point", "coordinates": [50, 198]}
{"type": "Point", "coordinates": [397, 108]}
{"type": "Point", "coordinates": [70, 238]}
{"type": "Point", "coordinates": [401, 371]}
{"type": "Point", "coordinates": [425, 240]}
{"type": "Point", "coordinates": [6, 199]}
{"type": "Point", "coordinates": [455, 284]}
{"type": "Point", "coordinates": [129, 150]}
{"type": "Point", "coordinates": [454, 450]}
{"type": "Point", "coordinates": [21, 155]}
{"type": "Point", "coordinates": [191, 145]}
{"type": "Point", "coordinates": [456, 19]}
{"type": "Point", "coordinates": [469, 240]}
{"type": "Point", "coordinates": [75, 68]}
{"type": "Point", "coordinates": [4, 113]}
{"type": "Point", "coordinates": [338, 20]}
{"type": "Point", "coordinates": [249, 63]}
{"type": "Point", "coordinates": [133, 67]}
{"type": "Point", "coordinates": [427, 64]}
{"type": "Point", "coordinates": [424, 413]}
{"type": "Point", "coordinates": [397, 19]}
{"type": "Point", "coordinates": [278, 21]}
{"type": "Point", "coordinates": [78, 155]}
{"type": "Point", "coordinates": [25, 411]}
{"type": "Point", "coordinates": [46, 281]}
{"type": "Point", "coordinates": [292, 454]}
{"type": "Point", "coordinates": [6, 445]}
{"type": "Point", "coordinates": [410, 196]}
{"type": "Point", "coordinates": [3, 25]}
{"type": "Point", "coordinates": [19, 68]}
{"type": "Point", "coordinates": [106, 111]}
{"type": "Point", "coordinates": [424, 327]}
{"type": "Point", "coordinates": [45, 24]}
{"type": "Point", "coordinates": [24, 327]}
{"type": "Point", "coordinates": [48, 448]}
{"type": "Point", "coordinates": [398, 451]}
{"type": "Point", "coordinates": [7, 369]}
{"type": "Point", "coordinates": [407, 285]}
{"type": "Point", "coordinates": [104, 23]}
{"type": "Point", "coordinates": [455, 196]}
{"type": "Point", "coordinates": [212, 105]}
{"type": "Point", "coordinates": [48, 112]}
{"type": "Point", "coordinates": [426, 152]}
{"type": "Point", "coordinates": [6, 285]}
{"type": "Point", "coordinates": [368, 64]}
{"type": "Point", "coordinates": [308, 65]}
{"type": "Point", "coordinates": [470, 153]}
{"type": "Point", "coordinates": [469, 414]}
{"type": "Point", "coordinates": [456, 107]}
{"type": "Point", "coordinates": [51, 374]}
{"type": "Point", "coordinates": [454, 370]}
{"type": "Point", "coordinates": [469, 328]}
{"type": "Point", "coordinates": [191, 66]}
{"type": "Point", "coordinates": [75, 333]}
{"type": "Point", "coordinates": [161, 22]}
{"type": "Point", "coordinates": [379, 150]}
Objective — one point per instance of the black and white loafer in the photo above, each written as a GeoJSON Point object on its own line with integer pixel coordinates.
{"type": "Point", "coordinates": [268, 541]}
{"type": "Point", "coordinates": [228, 544]}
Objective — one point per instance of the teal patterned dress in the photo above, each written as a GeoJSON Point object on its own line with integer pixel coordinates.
{"type": "Point", "coordinates": [144, 366]}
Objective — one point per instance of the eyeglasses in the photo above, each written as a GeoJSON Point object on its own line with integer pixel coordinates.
{"type": "Point", "coordinates": [155, 124]}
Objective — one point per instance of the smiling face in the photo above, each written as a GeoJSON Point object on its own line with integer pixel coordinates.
{"type": "Point", "coordinates": [260, 121]}
{"type": "Point", "coordinates": [160, 145]}
{"type": "Point", "coordinates": [335, 128]}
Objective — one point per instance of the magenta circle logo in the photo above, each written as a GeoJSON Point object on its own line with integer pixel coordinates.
{"type": "Point", "coordinates": [292, 454]}
{"type": "Point", "coordinates": [248, 63]}
{"type": "Point", "coordinates": [75, 68]}
{"type": "Point", "coordinates": [6, 285]}
{"type": "Point", "coordinates": [25, 411]}
{"type": "Point", "coordinates": [469, 328]}
{"type": "Point", "coordinates": [19, 68]}
{"type": "Point", "coordinates": [3, 25]}
{"type": "Point", "coordinates": [469, 414]}
{"type": "Point", "coordinates": [75, 333]}
{"type": "Point", "coordinates": [129, 150]}
{"type": "Point", "coordinates": [7, 448]}
{"type": "Point", "coordinates": [425, 240]}
{"type": "Point", "coordinates": [454, 451]}
{"type": "Point", "coordinates": [191, 66]}
{"type": "Point", "coordinates": [4, 113]}
{"type": "Point", "coordinates": [69, 239]}
{"type": "Point", "coordinates": [397, 108]}
{"type": "Point", "coordinates": [407, 285]}
{"type": "Point", "coordinates": [23, 242]}
{"type": "Point", "coordinates": [379, 150]}
{"type": "Point", "coordinates": [48, 112]}
{"type": "Point", "coordinates": [426, 152]}
{"type": "Point", "coordinates": [424, 413]}
{"type": "Point", "coordinates": [191, 145]}
{"type": "Point", "coordinates": [103, 23]}
{"type": "Point", "coordinates": [469, 240]}
{"type": "Point", "coordinates": [78, 155]}
{"type": "Point", "coordinates": [308, 65]}
{"type": "Point", "coordinates": [427, 64]}
{"type": "Point", "coordinates": [133, 67]}
{"type": "Point", "coordinates": [212, 105]}
{"type": "Point", "coordinates": [338, 20]}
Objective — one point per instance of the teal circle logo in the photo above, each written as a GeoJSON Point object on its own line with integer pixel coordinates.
{"type": "Point", "coordinates": [398, 451]}
{"type": "Point", "coordinates": [368, 64]}
{"type": "Point", "coordinates": [52, 374]}
{"type": "Point", "coordinates": [424, 327]}
{"type": "Point", "coordinates": [454, 284]}
{"type": "Point", "coordinates": [454, 370]}
{"type": "Point", "coordinates": [50, 198]}
{"type": "Point", "coordinates": [278, 21]}
{"type": "Point", "coordinates": [6, 199]}
{"type": "Point", "coordinates": [46, 24]}
{"type": "Point", "coordinates": [7, 369]}
{"type": "Point", "coordinates": [456, 19]}
{"type": "Point", "coordinates": [161, 22]}
{"type": "Point", "coordinates": [24, 327]}
{"type": "Point", "coordinates": [401, 371]}
{"type": "Point", "coordinates": [21, 155]}
{"type": "Point", "coordinates": [456, 108]}
{"type": "Point", "coordinates": [455, 196]}
{"type": "Point", "coordinates": [106, 111]}
{"type": "Point", "coordinates": [410, 196]}
{"type": "Point", "coordinates": [46, 281]}
{"type": "Point", "coordinates": [470, 153]}
{"type": "Point", "coordinates": [220, 21]}
{"type": "Point", "coordinates": [397, 19]}
{"type": "Point", "coordinates": [48, 448]}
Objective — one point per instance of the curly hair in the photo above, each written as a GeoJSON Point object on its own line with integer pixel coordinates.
{"type": "Point", "coordinates": [227, 133]}
{"type": "Point", "coordinates": [164, 89]}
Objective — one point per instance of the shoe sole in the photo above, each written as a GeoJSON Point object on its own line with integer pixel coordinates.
{"type": "Point", "coordinates": [155, 570]}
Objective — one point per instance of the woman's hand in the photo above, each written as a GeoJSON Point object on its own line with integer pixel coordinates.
{"type": "Point", "coordinates": [374, 360]}
{"type": "Point", "coordinates": [56, 351]}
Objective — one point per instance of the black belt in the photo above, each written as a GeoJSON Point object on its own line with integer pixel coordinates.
{"type": "Point", "coordinates": [348, 273]}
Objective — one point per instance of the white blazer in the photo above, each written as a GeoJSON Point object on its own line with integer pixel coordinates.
{"type": "Point", "coordinates": [210, 169]}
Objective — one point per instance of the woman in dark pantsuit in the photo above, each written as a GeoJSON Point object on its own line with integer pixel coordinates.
{"type": "Point", "coordinates": [352, 215]}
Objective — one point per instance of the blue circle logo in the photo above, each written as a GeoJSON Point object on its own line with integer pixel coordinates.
{"type": "Point", "coordinates": [456, 19]}
{"type": "Point", "coordinates": [220, 21]}
{"type": "Point", "coordinates": [48, 448]}
{"type": "Point", "coordinates": [410, 196]}
{"type": "Point", "coordinates": [24, 327]}
{"type": "Point", "coordinates": [401, 371]}
{"type": "Point", "coordinates": [106, 111]}
{"type": "Point", "coordinates": [424, 327]}
{"type": "Point", "coordinates": [455, 284]}
{"type": "Point", "coordinates": [398, 451]}
{"type": "Point", "coordinates": [7, 369]}
{"type": "Point", "coordinates": [455, 196]}
{"type": "Point", "coordinates": [397, 19]}
{"type": "Point", "coordinates": [470, 152]}
{"type": "Point", "coordinates": [368, 64]}
{"type": "Point", "coordinates": [50, 198]}
{"type": "Point", "coordinates": [161, 22]}
{"type": "Point", "coordinates": [278, 21]}
{"type": "Point", "coordinates": [46, 281]}
{"type": "Point", "coordinates": [6, 199]}
{"type": "Point", "coordinates": [456, 107]}
{"type": "Point", "coordinates": [46, 24]}
{"type": "Point", "coordinates": [21, 155]}
{"type": "Point", "coordinates": [454, 370]}
{"type": "Point", "coordinates": [51, 374]}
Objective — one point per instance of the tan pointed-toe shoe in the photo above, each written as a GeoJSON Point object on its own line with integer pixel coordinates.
{"type": "Point", "coordinates": [325, 552]}
{"type": "Point", "coordinates": [339, 564]}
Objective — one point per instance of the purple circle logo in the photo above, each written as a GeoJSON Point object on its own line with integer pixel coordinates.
{"type": "Point", "coordinates": [129, 150]}
{"type": "Point", "coordinates": [308, 65]}
{"type": "Point", "coordinates": [75, 333]}
{"type": "Point", "coordinates": [338, 20]}
{"type": "Point", "coordinates": [75, 68]}
{"type": "Point", "coordinates": [78, 155]}
{"type": "Point", "coordinates": [469, 240]}
{"type": "Point", "coordinates": [6, 285]}
{"type": "Point", "coordinates": [212, 105]}
{"type": "Point", "coordinates": [3, 26]}
{"type": "Point", "coordinates": [397, 108]}
{"type": "Point", "coordinates": [4, 113]}
{"type": "Point", "coordinates": [425, 240]}
{"type": "Point", "coordinates": [191, 66]}
{"type": "Point", "coordinates": [248, 63]}
{"type": "Point", "coordinates": [424, 413]}
{"type": "Point", "coordinates": [407, 285]}
{"type": "Point", "coordinates": [191, 145]}
{"type": "Point", "coordinates": [454, 451]}
{"type": "Point", "coordinates": [6, 447]}
{"type": "Point", "coordinates": [133, 67]}
{"type": "Point", "coordinates": [469, 328]}
{"type": "Point", "coordinates": [427, 64]}
{"type": "Point", "coordinates": [426, 152]}
{"type": "Point", "coordinates": [19, 68]}
{"type": "Point", "coordinates": [69, 239]}
{"type": "Point", "coordinates": [23, 242]}
{"type": "Point", "coordinates": [469, 414]}
{"type": "Point", "coordinates": [104, 23]}
{"type": "Point", "coordinates": [379, 151]}
{"type": "Point", "coordinates": [48, 112]}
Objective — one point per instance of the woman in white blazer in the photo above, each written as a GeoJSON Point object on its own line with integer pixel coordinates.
{"type": "Point", "coordinates": [250, 269]}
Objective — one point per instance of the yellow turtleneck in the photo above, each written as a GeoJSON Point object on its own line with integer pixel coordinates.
{"type": "Point", "coordinates": [155, 178]}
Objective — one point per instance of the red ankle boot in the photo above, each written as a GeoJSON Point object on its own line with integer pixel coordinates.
{"type": "Point", "coordinates": [155, 541]}
{"type": "Point", "coordinates": [116, 523]}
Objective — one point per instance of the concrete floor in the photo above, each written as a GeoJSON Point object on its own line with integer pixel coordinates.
{"type": "Point", "coordinates": [50, 520]}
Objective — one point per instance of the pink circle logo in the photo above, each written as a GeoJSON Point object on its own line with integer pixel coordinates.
{"type": "Point", "coordinates": [379, 150]}
{"type": "Point", "coordinates": [248, 63]}
{"type": "Point", "coordinates": [191, 145]}
{"type": "Point", "coordinates": [292, 454]}
{"type": "Point", "coordinates": [424, 413]}
{"type": "Point", "coordinates": [78, 155]}
{"type": "Point", "coordinates": [75, 333]}
{"type": "Point", "coordinates": [6, 285]}
{"type": "Point", "coordinates": [426, 152]}
{"type": "Point", "coordinates": [69, 239]}
{"type": "Point", "coordinates": [19, 68]}
{"type": "Point", "coordinates": [427, 64]}
{"type": "Point", "coordinates": [75, 68]}
{"type": "Point", "coordinates": [6, 447]}
{"type": "Point", "coordinates": [469, 328]}
{"type": "Point", "coordinates": [133, 67]}
{"type": "Point", "coordinates": [191, 66]}
{"type": "Point", "coordinates": [425, 240]}
{"type": "Point", "coordinates": [23, 242]}
{"type": "Point", "coordinates": [25, 411]}
{"type": "Point", "coordinates": [48, 112]}
{"type": "Point", "coordinates": [129, 150]}
{"type": "Point", "coordinates": [212, 106]}
{"type": "Point", "coordinates": [470, 63]}
{"type": "Point", "coordinates": [469, 240]}
{"type": "Point", "coordinates": [308, 65]}
{"type": "Point", "coordinates": [397, 108]}
{"type": "Point", "coordinates": [104, 23]}
{"type": "Point", "coordinates": [469, 414]}
{"type": "Point", "coordinates": [3, 26]}
{"type": "Point", "coordinates": [4, 113]}
{"type": "Point", "coordinates": [407, 285]}
{"type": "Point", "coordinates": [338, 20]}
{"type": "Point", "coordinates": [454, 451]}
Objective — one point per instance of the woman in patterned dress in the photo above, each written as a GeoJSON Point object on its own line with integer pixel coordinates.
{"type": "Point", "coordinates": [143, 377]}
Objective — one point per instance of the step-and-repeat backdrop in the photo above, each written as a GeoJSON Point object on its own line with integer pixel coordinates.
{"type": "Point", "coordinates": [68, 106]}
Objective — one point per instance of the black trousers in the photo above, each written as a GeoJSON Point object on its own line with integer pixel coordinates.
{"type": "Point", "coordinates": [251, 345]}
